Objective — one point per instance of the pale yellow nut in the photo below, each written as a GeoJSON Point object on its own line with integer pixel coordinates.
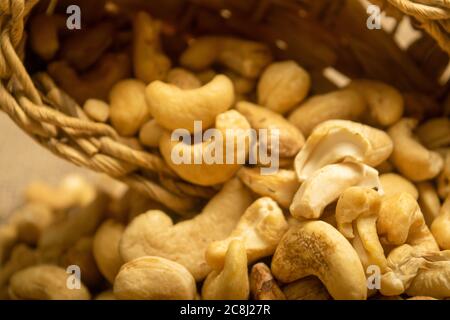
{"type": "Point", "coordinates": [97, 110]}
{"type": "Point", "coordinates": [393, 183]}
{"type": "Point", "coordinates": [345, 104]}
{"type": "Point", "coordinates": [44, 282]}
{"type": "Point", "coordinates": [280, 186]}
{"type": "Point", "coordinates": [259, 229]}
{"type": "Point", "coordinates": [245, 57]}
{"type": "Point", "coordinates": [282, 86]}
{"type": "Point", "coordinates": [106, 248]}
{"type": "Point", "coordinates": [150, 134]}
{"type": "Point", "coordinates": [232, 130]}
{"type": "Point", "coordinates": [429, 201]}
{"type": "Point", "coordinates": [175, 108]}
{"type": "Point", "coordinates": [153, 233]}
{"type": "Point", "coordinates": [154, 278]}
{"type": "Point", "coordinates": [316, 248]}
{"type": "Point", "coordinates": [129, 110]}
{"type": "Point", "coordinates": [183, 79]}
{"type": "Point", "coordinates": [327, 184]}
{"type": "Point", "coordinates": [290, 138]}
{"type": "Point", "coordinates": [435, 133]}
{"type": "Point", "coordinates": [149, 62]}
{"type": "Point", "coordinates": [341, 140]}
{"type": "Point", "coordinates": [308, 288]}
{"type": "Point", "coordinates": [441, 226]}
{"type": "Point", "coordinates": [411, 158]}
{"type": "Point", "coordinates": [385, 103]}
{"type": "Point", "coordinates": [230, 283]}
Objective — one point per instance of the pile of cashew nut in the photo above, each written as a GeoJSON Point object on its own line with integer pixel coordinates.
{"type": "Point", "coordinates": [359, 209]}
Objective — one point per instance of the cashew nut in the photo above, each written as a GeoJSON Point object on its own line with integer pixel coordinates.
{"type": "Point", "coordinates": [44, 282]}
{"type": "Point", "coordinates": [8, 238]}
{"type": "Point", "coordinates": [412, 159]}
{"type": "Point", "coordinates": [153, 233]}
{"type": "Point", "coordinates": [44, 39]}
{"type": "Point", "coordinates": [183, 79]}
{"type": "Point", "coordinates": [435, 133]}
{"type": "Point", "coordinates": [441, 226]}
{"type": "Point", "coordinates": [97, 110]}
{"type": "Point", "coordinates": [345, 104]}
{"type": "Point", "coordinates": [280, 186]}
{"type": "Point", "coordinates": [444, 177]}
{"type": "Point", "coordinates": [259, 229]}
{"type": "Point", "coordinates": [308, 288]}
{"type": "Point", "coordinates": [150, 134]}
{"type": "Point", "coordinates": [340, 140]}
{"type": "Point", "coordinates": [393, 183]}
{"type": "Point", "coordinates": [262, 284]}
{"type": "Point", "coordinates": [154, 278]}
{"type": "Point", "coordinates": [149, 62]}
{"type": "Point", "coordinates": [247, 58]}
{"type": "Point", "coordinates": [316, 248]}
{"type": "Point", "coordinates": [21, 257]}
{"type": "Point", "coordinates": [106, 248]}
{"type": "Point", "coordinates": [129, 110]}
{"type": "Point", "coordinates": [230, 283]}
{"type": "Point", "coordinates": [385, 102]}
{"type": "Point", "coordinates": [282, 86]}
{"type": "Point", "coordinates": [326, 185]}
{"type": "Point", "coordinates": [290, 138]}
{"type": "Point", "coordinates": [428, 201]}
{"type": "Point", "coordinates": [232, 127]}
{"type": "Point", "coordinates": [175, 108]}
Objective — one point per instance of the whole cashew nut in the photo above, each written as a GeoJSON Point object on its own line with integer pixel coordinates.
{"type": "Point", "coordinates": [175, 108]}
{"type": "Point", "coordinates": [316, 248]}
{"type": "Point", "coordinates": [230, 283]}
{"type": "Point", "coordinates": [259, 229]}
{"type": "Point", "coordinates": [154, 278]}
{"type": "Point", "coordinates": [338, 140]}
{"type": "Point", "coordinates": [441, 226]}
{"type": "Point", "coordinates": [327, 184]}
{"type": "Point", "coordinates": [412, 159]}
{"type": "Point", "coordinates": [153, 233]}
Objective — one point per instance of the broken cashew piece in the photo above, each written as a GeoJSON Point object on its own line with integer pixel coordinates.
{"type": "Point", "coordinates": [441, 226]}
{"type": "Point", "coordinates": [231, 131]}
{"type": "Point", "coordinates": [154, 278]}
{"type": "Point", "coordinates": [411, 158]}
{"type": "Point", "coordinates": [345, 104]}
{"type": "Point", "coordinates": [341, 140]}
{"type": "Point", "coordinates": [385, 103]}
{"type": "Point", "coordinates": [230, 283]}
{"type": "Point", "coordinates": [282, 86]}
{"type": "Point", "coordinates": [263, 286]}
{"type": "Point", "coordinates": [316, 248]}
{"type": "Point", "coordinates": [259, 229]}
{"type": "Point", "coordinates": [280, 186]}
{"type": "Point", "coordinates": [327, 184]}
{"type": "Point", "coordinates": [245, 57]}
{"type": "Point", "coordinates": [175, 108]}
{"type": "Point", "coordinates": [153, 233]}
{"type": "Point", "coordinates": [290, 138]}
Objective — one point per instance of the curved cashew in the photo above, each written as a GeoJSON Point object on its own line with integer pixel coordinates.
{"type": "Point", "coordinates": [441, 226]}
{"type": "Point", "coordinates": [149, 62]}
{"type": "Point", "coordinates": [154, 278]}
{"type": "Point", "coordinates": [428, 201]}
{"type": "Point", "coordinates": [339, 140]}
{"type": "Point", "coordinates": [262, 284]}
{"type": "Point", "coordinates": [385, 102]}
{"type": "Point", "coordinates": [361, 205]}
{"type": "Point", "coordinates": [393, 183]}
{"type": "Point", "coordinates": [316, 248]}
{"type": "Point", "coordinates": [183, 79]}
{"type": "Point", "coordinates": [290, 138]}
{"type": "Point", "coordinates": [327, 184]}
{"type": "Point", "coordinates": [259, 229]}
{"type": "Point", "coordinates": [153, 233]}
{"type": "Point", "coordinates": [435, 133]}
{"type": "Point", "coordinates": [345, 104]}
{"type": "Point", "coordinates": [247, 58]}
{"type": "Point", "coordinates": [129, 110]}
{"type": "Point", "coordinates": [106, 248]}
{"type": "Point", "coordinates": [231, 130]}
{"type": "Point", "coordinates": [308, 288]}
{"type": "Point", "coordinates": [412, 159]}
{"type": "Point", "coordinates": [44, 282]}
{"type": "Point", "coordinates": [175, 108]}
{"type": "Point", "coordinates": [280, 186]}
{"type": "Point", "coordinates": [282, 86]}
{"type": "Point", "coordinates": [231, 283]}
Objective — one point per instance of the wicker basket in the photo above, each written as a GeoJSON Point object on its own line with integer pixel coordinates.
{"type": "Point", "coordinates": [316, 33]}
